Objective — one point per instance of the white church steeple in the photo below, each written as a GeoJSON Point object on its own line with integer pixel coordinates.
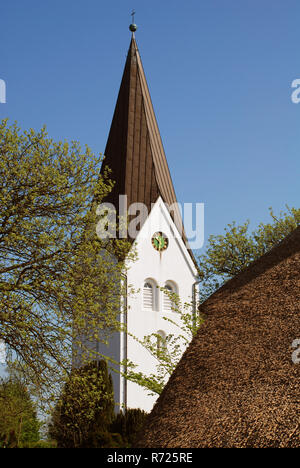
{"type": "Point", "coordinates": [135, 155]}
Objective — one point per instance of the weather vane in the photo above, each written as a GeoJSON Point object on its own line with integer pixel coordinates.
{"type": "Point", "coordinates": [133, 26]}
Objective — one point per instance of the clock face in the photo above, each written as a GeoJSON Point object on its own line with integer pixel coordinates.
{"type": "Point", "coordinates": [160, 241]}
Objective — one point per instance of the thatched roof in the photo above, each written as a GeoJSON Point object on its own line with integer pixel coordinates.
{"type": "Point", "coordinates": [237, 385]}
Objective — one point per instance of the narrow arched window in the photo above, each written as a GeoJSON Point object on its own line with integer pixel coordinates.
{"type": "Point", "coordinates": [161, 343]}
{"type": "Point", "coordinates": [148, 296]}
{"type": "Point", "coordinates": [168, 303]}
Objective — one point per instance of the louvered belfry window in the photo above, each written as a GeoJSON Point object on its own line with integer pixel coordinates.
{"type": "Point", "coordinates": [148, 296]}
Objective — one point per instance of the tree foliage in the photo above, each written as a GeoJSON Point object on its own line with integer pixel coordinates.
{"type": "Point", "coordinates": [84, 414]}
{"type": "Point", "coordinates": [128, 424]}
{"type": "Point", "coordinates": [85, 408]}
{"type": "Point", "coordinates": [19, 426]}
{"type": "Point", "coordinates": [228, 254]}
{"type": "Point", "coordinates": [56, 276]}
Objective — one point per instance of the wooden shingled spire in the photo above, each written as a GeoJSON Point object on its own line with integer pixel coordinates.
{"type": "Point", "coordinates": [134, 150]}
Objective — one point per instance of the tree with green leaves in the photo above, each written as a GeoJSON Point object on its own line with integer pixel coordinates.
{"type": "Point", "coordinates": [85, 408]}
{"type": "Point", "coordinates": [19, 426]}
{"type": "Point", "coordinates": [57, 277]}
{"type": "Point", "coordinates": [84, 414]}
{"type": "Point", "coordinates": [128, 424]}
{"type": "Point", "coordinates": [229, 253]}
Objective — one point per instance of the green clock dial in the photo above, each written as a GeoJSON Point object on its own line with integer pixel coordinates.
{"type": "Point", "coordinates": [160, 241]}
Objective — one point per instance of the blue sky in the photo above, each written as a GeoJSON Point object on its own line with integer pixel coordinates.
{"type": "Point", "coordinates": [219, 74]}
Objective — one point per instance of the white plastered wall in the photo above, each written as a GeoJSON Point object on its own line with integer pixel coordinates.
{"type": "Point", "coordinates": [174, 265]}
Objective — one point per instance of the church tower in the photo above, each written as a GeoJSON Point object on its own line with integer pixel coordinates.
{"type": "Point", "coordinates": [139, 168]}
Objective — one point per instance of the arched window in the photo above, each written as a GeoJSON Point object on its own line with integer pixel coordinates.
{"type": "Point", "coordinates": [168, 303]}
{"type": "Point", "coordinates": [161, 341]}
{"type": "Point", "coordinates": [148, 296]}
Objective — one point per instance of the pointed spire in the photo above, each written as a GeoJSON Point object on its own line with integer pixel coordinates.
{"type": "Point", "coordinates": [134, 150]}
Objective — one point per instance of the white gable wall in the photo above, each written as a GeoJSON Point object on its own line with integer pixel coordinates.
{"type": "Point", "coordinates": [173, 264]}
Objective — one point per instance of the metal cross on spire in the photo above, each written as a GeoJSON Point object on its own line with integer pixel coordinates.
{"type": "Point", "coordinates": [133, 26]}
